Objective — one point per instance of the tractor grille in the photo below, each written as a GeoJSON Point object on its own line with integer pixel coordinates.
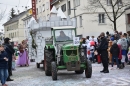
{"type": "Point", "coordinates": [71, 52]}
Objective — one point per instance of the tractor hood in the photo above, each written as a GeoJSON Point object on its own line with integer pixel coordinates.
{"type": "Point", "coordinates": [69, 47]}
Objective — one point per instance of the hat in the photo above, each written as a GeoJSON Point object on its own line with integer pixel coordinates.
{"type": "Point", "coordinates": [107, 33]}
{"type": "Point", "coordinates": [7, 39]}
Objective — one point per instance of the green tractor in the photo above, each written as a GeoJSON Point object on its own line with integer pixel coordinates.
{"type": "Point", "coordinates": [61, 53]}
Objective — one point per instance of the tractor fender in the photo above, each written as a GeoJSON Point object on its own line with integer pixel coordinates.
{"type": "Point", "coordinates": [49, 47]}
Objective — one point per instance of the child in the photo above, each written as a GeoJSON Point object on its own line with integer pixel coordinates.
{"type": "Point", "coordinates": [13, 62]}
{"type": "Point", "coordinates": [92, 49]}
{"type": "Point", "coordinates": [114, 50]}
{"type": "Point", "coordinates": [3, 66]}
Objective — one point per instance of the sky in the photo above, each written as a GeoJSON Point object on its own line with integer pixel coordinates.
{"type": "Point", "coordinates": [6, 5]}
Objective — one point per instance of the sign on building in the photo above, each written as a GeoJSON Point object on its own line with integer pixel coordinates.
{"type": "Point", "coordinates": [34, 9]}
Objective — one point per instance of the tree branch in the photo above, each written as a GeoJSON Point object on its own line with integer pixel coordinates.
{"type": "Point", "coordinates": [120, 15]}
{"type": "Point", "coordinates": [105, 11]}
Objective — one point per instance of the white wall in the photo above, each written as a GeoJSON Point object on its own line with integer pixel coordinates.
{"type": "Point", "coordinates": [40, 41]}
{"type": "Point", "coordinates": [91, 27]}
{"type": "Point", "coordinates": [90, 20]}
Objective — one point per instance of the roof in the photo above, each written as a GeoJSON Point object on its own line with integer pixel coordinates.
{"type": "Point", "coordinates": [64, 27]}
{"type": "Point", "coordinates": [53, 10]}
{"type": "Point", "coordinates": [16, 18]}
{"type": "Point", "coordinates": [28, 17]}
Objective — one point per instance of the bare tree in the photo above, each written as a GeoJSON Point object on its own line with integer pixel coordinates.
{"type": "Point", "coordinates": [112, 8]}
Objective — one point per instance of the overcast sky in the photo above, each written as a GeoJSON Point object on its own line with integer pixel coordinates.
{"type": "Point", "coordinates": [6, 5]}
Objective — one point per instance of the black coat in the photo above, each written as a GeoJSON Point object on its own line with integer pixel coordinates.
{"type": "Point", "coordinates": [103, 45]}
{"type": "Point", "coordinates": [3, 63]}
{"type": "Point", "coordinates": [115, 50]}
{"type": "Point", "coordinates": [10, 51]}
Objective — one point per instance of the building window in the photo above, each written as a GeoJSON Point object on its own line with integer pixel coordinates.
{"type": "Point", "coordinates": [37, 11]}
{"type": "Point", "coordinates": [119, 2]}
{"type": "Point", "coordinates": [109, 2]}
{"type": "Point", "coordinates": [101, 18]}
{"type": "Point", "coordinates": [80, 18]}
{"type": "Point", "coordinates": [63, 7]}
{"type": "Point", "coordinates": [128, 17]}
{"type": "Point", "coordinates": [76, 3]}
{"type": "Point", "coordinates": [69, 8]}
{"type": "Point", "coordinates": [43, 8]}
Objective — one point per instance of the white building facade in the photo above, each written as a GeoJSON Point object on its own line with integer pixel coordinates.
{"type": "Point", "coordinates": [43, 10]}
{"type": "Point", "coordinates": [89, 23]}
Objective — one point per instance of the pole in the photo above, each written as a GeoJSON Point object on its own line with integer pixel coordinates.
{"type": "Point", "coordinates": [75, 17]}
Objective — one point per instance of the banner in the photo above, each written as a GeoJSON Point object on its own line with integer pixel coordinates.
{"type": "Point", "coordinates": [34, 9]}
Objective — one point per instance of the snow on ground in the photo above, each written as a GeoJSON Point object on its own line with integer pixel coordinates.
{"type": "Point", "coordinates": [32, 76]}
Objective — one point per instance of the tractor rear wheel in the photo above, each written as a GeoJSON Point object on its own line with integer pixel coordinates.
{"type": "Point", "coordinates": [88, 70]}
{"type": "Point", "coordinates": [47, 62]}
{"type": "Point", "coordinates": [79, 71]}
{"type": "Point", "coordinates": [54, 70]}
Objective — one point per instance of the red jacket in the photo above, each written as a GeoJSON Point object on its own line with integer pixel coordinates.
{"type": "Point", "coordinates": [120, 54]}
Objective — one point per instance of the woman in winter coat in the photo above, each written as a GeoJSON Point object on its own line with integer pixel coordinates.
{"type": "Point", "coordinates": [114, 50]}
{"type": "Point", "coordinates": [123, 42]}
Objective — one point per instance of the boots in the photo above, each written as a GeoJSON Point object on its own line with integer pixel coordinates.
{"type": "Point", "coordinates": [123, 65]}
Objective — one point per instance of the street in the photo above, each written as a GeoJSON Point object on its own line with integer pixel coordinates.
{"type": "Point", "coordinates": [32, 76]}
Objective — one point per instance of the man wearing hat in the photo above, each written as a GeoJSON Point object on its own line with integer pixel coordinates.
{"type": "Point", "coordinates": [10, 51]}
{"type": "Point", "coordinates": [102, 49]}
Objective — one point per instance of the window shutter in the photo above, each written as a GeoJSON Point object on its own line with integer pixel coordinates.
{"type": "Point", "coordinates": [103, 18]}
{"type": "Point", "coordinates": [99, 16]}
{"type": "Point", "coordinates": [128, 16]}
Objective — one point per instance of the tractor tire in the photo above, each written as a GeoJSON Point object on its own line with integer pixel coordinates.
{"type": "Point", "coordinates": [88, 70]}
{"type": "Point", "coordinates": [54, 70]}
{"type": "Point", "coordinates": [47, 62]}
{"type": "Point", "coordinates": [38, 65]}
{"type": "Point", "coordinates": [82, 54]}
{"type": "Point", "coordinates": [79, 72]}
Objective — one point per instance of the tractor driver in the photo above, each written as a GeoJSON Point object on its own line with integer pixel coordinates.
{"type": "Point", "coordinates": [62, 37]}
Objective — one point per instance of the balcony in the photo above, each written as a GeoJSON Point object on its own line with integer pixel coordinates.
{"type": "Point", "coordinates": [55, 1]}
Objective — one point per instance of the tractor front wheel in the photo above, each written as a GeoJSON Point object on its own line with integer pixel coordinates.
{"type": "Point", "coordinates": [54, 70]}
{"type": "Point", "coordinates": [88, 70]}
{"type": "Point", "coordinates": [47, 62]}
